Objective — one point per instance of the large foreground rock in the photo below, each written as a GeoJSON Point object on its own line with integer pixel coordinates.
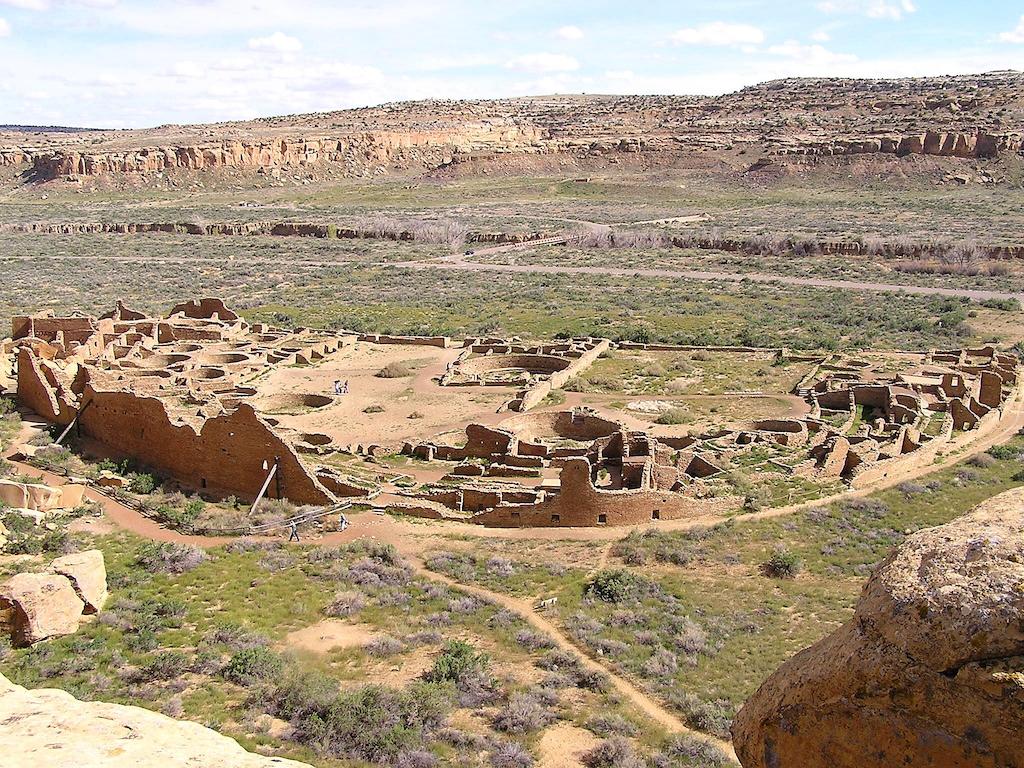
{"type": "Point", "coordinates": [53, 729]}
{"type": "Point", "coordinates": [88, 576]}
{"type": "Point", "coordinates": [929, 672]}
{"type": "Point", "coordinates": [40, 606]}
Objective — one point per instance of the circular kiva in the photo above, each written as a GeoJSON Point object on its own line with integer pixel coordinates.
{"type": "Point", "coordinates": [566, 425]}
{"type": "Point", "coordinates": [541, 365]}
{"type": "Point", "coordinates": [160, 361]}
{"type": "Point", "coordinates": [290, 401]}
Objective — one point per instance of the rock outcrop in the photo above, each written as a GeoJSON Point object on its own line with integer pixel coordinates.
{"type": "Point", "coordinates": [88, 576]}
{"type": "Point", "coordinates": [52, 728]}
{"type": "Point", "coordinates": [37, 606]}
{"type": "Point", "coordinates": [929, 672]}
{"type": "Point", "coordinates": [41, 606]}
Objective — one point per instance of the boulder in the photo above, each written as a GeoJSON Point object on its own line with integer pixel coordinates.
{"type": "Point", "coordinates": [108, 479]}
{"type": "Point", "coordinates": [43, 605]}
{"type": "Point", "coordinates": [930, 670]}
{"type": "Point", "coordinates": [54, 729]}
{"type": "Point", "coordinates": [88, 576]}
{"type": "Point", "coordinates": [29, 495]}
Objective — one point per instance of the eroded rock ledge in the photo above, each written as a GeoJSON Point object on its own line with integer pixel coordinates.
{"type": "Point", "coordinates": [930, 670]}
{"type": "Point", "coordinates": [54, 729]}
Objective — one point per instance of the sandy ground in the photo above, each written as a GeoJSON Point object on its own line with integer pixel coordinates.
{"type": "Point", "coordinates": [326, 635]}
{"type": "Point", "coordinates": [562, 746]}
{"type": "Point", "coordinates": [440, 408]}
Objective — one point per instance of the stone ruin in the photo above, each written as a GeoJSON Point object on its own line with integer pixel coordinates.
{"type": "Point", "coordinates": [171, 392]}
{"type": "Point", "coordinates": [175, 394]}
{"type": "Point", "coordinates": [535, 370]}
{"type": "Point", "coordinates": [865, 424]}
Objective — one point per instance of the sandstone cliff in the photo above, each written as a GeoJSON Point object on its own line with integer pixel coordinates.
{"type": "Point", "coordinates": [970, 116]}
{"type": "Point", "coordinates": [51, 728]}
{"type": "Point", "coordinates": [929, 672]}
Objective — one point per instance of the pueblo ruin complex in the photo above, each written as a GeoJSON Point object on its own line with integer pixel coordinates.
{"type": "Point", "coordinates": [475, 430]}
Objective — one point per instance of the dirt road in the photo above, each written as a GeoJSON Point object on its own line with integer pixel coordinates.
{"type": "Point", "coordinates": [460, 263]}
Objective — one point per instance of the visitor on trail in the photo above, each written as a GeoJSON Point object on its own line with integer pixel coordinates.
{"type": "Point", "coordinates": [344, 387]}
{"type": "Point", "coordinates": [337, 387]}
{"type": "Point", "coordinates": [293, 531]}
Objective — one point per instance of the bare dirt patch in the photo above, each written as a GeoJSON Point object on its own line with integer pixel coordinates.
{"type": "Point", "coordinates": [390, 401]}
{"type": "Point", "coordinates": [330, 634]}
{"type": "Point", "coordinates": [563, 745]}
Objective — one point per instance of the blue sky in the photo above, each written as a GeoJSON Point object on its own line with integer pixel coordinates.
{"type": "Point", "coordinates": [137, 63]}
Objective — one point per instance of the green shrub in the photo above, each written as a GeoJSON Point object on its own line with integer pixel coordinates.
{"type": "Point", "coordinates": [783, 564]}
{"type": "Point", "coordinates": [1004, 305]}
{"type": "Point", "coordinates": [458, 662]}
{"type": "Point", "coordinates": [253, 665]}
{"type": "Point", "coordinates": [614, 586]}
{"type": "Point", "coordinates": [394, 371]}
{"type": "Point", "coordinates": [170, 557]}
{"type": "Point", "coordinates": [164, 666]}
{"type": "Point", "coordinates": [1004, 452]}
{"type": "Point", "coordinates": [140, 482]}
{"type": "Point", "coordinates": [371, 724]}
{"type": "Point", "coordinates": [674, 416]}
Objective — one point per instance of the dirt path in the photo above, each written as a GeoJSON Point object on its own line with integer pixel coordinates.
{"type": "Point", "coordinates": [460, 263]}
{"type": "Point", "coordinates": [647, 705]}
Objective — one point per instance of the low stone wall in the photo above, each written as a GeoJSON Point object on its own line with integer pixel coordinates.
{"type": "Point", "coordinates": [443, 342]}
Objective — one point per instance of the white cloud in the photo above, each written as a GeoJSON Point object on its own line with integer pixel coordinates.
{"type": "Point", "coordinates": [5, 28]}
{"type": "Point", "coordinates": [873, 9]}
{"type": "Point", "coordinates": [1015, 35]}
{"type": "Point", "coordinates": [719, 33]}
{"type": "Point", "coordinates": [277, 42]}
{"type": "Point", "coordinates": [457, 61]}
{"type": "Point", "coordinates": [543, 63]}
{"type": "Point", "coordinates": [821, 35]}
{"type": "Point", "coordinates": [44, 5]}
{"type": "Point", "coordinates": [811, 55]}
{"type": "Point", "coordinates": [569, 32]}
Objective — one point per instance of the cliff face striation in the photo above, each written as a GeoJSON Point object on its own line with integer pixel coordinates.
{"type": "Point", "coordinates": [971, 116]}
{"type": "Point", "coordinates": [54, 729]}
{"type": "Point", "coordinates": [929, 672]}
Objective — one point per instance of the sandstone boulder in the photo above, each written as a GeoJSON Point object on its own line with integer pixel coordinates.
{"type": "Point", "coordinates": [929, 672]}
{"type": "Point", "coordinates": [56, 730]}
{"type": "Point", "coordinates": [42, 605]}
{"type": "Point", "coordinates": [29, 495]}
{"type": "Point", "coordinates": [88, 576]}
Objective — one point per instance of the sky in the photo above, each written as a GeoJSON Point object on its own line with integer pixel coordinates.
{"type": "Point", "coordinates": [139, 63]}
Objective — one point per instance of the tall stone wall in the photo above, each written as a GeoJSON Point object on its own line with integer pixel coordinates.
{"type": "Point", "coordinates": [225, 457]}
